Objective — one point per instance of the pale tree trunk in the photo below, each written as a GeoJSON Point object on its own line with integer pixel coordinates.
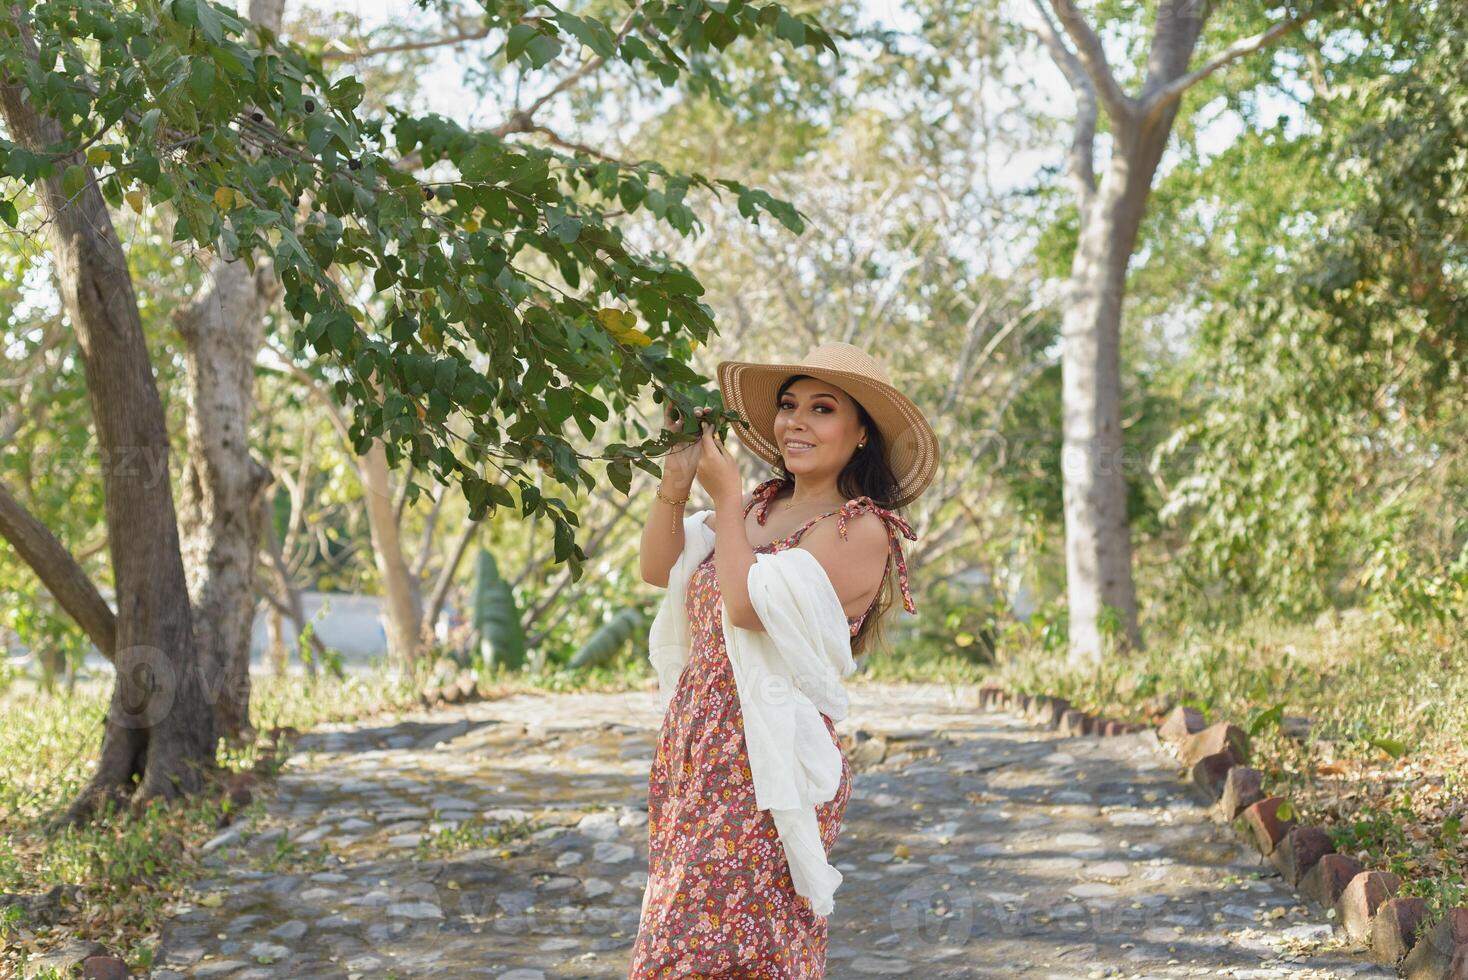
{"type": "Point", "coordinates": [289, 603]}
{"type": "Point", "coordinates": [160, 727]}
{"type": "Point", "coordinates": [402, 592]}
{"type": "Point", "coordinates": [219, 512]}
{"type": "Point", "coordinates": [276, 652]}
{"type": "Point", "coordinates": [402, 600]}
{"type": "Point", "coordinates": [1098, 550]}
{"type": "Point", "coordinates": [219, 508]}
{"type": "Point", "coordinates": [440, 593]}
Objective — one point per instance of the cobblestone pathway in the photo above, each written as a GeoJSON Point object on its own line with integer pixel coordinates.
{"type": "Point", "coordinates": [508, 839]}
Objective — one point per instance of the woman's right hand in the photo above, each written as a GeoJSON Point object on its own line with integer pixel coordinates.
{"type": "Point", "coordinates": [681, 463]}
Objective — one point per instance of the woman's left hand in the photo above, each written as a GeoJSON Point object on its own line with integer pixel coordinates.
{"type": "Point", "coordinates": [717, 473]}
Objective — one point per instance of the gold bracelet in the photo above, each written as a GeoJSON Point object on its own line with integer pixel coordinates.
{"type": "Point", "coordinates": [676, 503]}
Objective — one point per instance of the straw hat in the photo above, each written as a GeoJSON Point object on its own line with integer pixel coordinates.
{"type": "Point", "coordinates": [912, 449]}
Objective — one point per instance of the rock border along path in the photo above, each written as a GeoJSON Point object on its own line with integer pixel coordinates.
{"type": "Point", "coordinates": [975, 845]}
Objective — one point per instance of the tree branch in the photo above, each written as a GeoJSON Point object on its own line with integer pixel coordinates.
{"type": "Point", "coordinates": [1081, 157]}
{"type": "Point", "coordinates": [586, 67]}
{"type": "Point", "coordinates": [445, 579]}
{"type": "Point", "coordinates": [1158, 101]}
{"type": "Point", "coordinates": [1120, 106]}
{"type": "Point", "coordinates": [66, 580]}
{"type": "Point", "coordinates": [579, 148]}
{"type": "Point", "coordinates": [343, 53]}
{"type": "Point", "coordinates": [430, 523]}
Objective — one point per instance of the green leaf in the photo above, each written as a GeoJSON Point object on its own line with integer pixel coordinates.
{"type": "Point", "coordinates": [8, 213]}
{"type": "Point", "coordinates": [73, 180]}
{"type": "Point", "coordinates": [1265, 719]}
{"type": "Point", "coordinates": [520, 36]}
{"type": "Point", "coordinates": [565, 227]}
{"type": "Point", "coordinates": [558, 403]}
{"type": "Point", "coordinates": [790, 28]}
{"type": "Point", "coordinates": [682, 282]}
{"type": "Point", "coordinates": [149, 123]}
{"type": "Point", "coordinates": [1392, 747]}
{"type": "Point", "coordinates": [444, 373]}
{"type": "Point", "coordinates": [346, 93]}
{"type": "Point", "coordinates": [720, 30]}
{"type": "Point", "coordinates": [339, 330]}
{"type": "Point", "coordinates": [563, 540]}
{"type": "Point", "coordinates": [201, 79]}
{"type": "Point", "coordinates": [1285, 811]}
{"type": "Point", "coordinates": [209, 21]}
{"type": "Point", "coordinates": [619, 471]}
{"type": "Point", "coordinates": [404, 329]}
{"type": "Point", "coordinates": [542, 49]}
{"type": "Point", "coordinates": [592, 33]}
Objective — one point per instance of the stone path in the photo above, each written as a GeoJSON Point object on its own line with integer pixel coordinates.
{"type": "Point", "coordinates": [508, 839]}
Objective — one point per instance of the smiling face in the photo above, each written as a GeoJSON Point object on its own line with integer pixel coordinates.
{"type": "Point", "coordinates": [816, 428]}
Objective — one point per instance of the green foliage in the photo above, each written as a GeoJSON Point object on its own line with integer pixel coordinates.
{"type": "Point", "coordinates": [487, 284]}
{"type": "Point", "coordinates": [471, 834]}
{"type": "Point", "coordinates": [1320, 436]}
{"type": "Point", "coordinates": [131, 864]}
{"type": "Point", "coordinates": [497, 615]}
{"type": "Point", "coordinates": [610, 637]}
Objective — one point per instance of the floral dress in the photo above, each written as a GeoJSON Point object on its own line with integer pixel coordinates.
{"type": "Point", "coordinates": [720, 901]}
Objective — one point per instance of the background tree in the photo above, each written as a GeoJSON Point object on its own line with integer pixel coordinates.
{"type": "Point", "coordinates": [1110, 211]}
{"type": "Point", "coordinates": [231, 130]}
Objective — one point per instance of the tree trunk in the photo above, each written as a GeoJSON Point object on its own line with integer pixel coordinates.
{"type": "Point", "coordinates": [223, 485]}
{"type": "Point", "coordinates": [290, 595]}
{"type": "Point", "coordinates": [402, 601]}
{"type": "Point", "coordinates": [276, 652]}
{"type": "Point", "coordinates": [59, 571]}
{"type": "Point", "coordinates": [219, 507]}
{"type": "Point", "coordinates": [159, 736]}
{"type": "Point", "coordinates": [1098, 550]}
{"type": "Point", "coordinates": [1098, 547]}
{"type": "Point", "coordinates": [445, 580]}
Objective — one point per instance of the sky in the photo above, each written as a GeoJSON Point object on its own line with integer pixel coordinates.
{"type": "Point", "coordinates": [445, 82]}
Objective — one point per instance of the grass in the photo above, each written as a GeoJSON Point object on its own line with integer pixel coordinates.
{"type": "Point", "coordinates": [473, 834]}
{"type": "Point", "coordinates": [1383, 767]}
{"type": "Point", "coordinates": [129, 866]}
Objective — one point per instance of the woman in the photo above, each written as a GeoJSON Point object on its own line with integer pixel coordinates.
{"type": "Point", "coordinates": [846, 444]}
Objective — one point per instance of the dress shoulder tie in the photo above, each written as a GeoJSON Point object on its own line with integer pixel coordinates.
{"type": "Point", "coordinates": [764, 495]}
{"type": "Point", "coordinates": [896, 525]}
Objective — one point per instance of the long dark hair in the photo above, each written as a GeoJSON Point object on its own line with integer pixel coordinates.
{"type": "Point", "coordinates": [866, 474]}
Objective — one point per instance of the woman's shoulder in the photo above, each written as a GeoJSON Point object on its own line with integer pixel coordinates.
{"type": "Point", "coordinates": [852, 527]}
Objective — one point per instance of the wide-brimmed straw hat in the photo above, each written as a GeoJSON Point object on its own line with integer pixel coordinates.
{"type": "Point", "coordinates": [912, 450]}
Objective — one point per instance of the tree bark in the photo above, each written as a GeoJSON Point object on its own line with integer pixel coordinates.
{"type": "Point", "coordinates": [290, 602]}
{"type": "Point", "coordinates": [402, 600]}
{"type": "Point", "coordinates": [276, 653]}
{"type": "Point", "coordinates": [1098, 551]}
{"type": "Point", "coordinates": [59, 571]}
{"type": "Point", "coordinates": [222, 328]}
{"type": "Point", "coordinates": [439, 595]}
{"type": "Point", "coordinates": [223, 484]}
{"type": "Point", "coordinates": [160, 728]}
{"type": "Point", "coordinates": [1098, 548]}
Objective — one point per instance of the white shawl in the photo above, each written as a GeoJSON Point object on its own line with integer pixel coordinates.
{"type": "Point", "coordinates": [786, 675]}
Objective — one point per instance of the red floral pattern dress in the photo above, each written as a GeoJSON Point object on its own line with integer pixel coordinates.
{"type": "Point", "coordinates": [720, 900]}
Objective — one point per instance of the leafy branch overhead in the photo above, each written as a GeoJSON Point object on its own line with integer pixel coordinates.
{"type": "Point", "coordinates": [499, 248]}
